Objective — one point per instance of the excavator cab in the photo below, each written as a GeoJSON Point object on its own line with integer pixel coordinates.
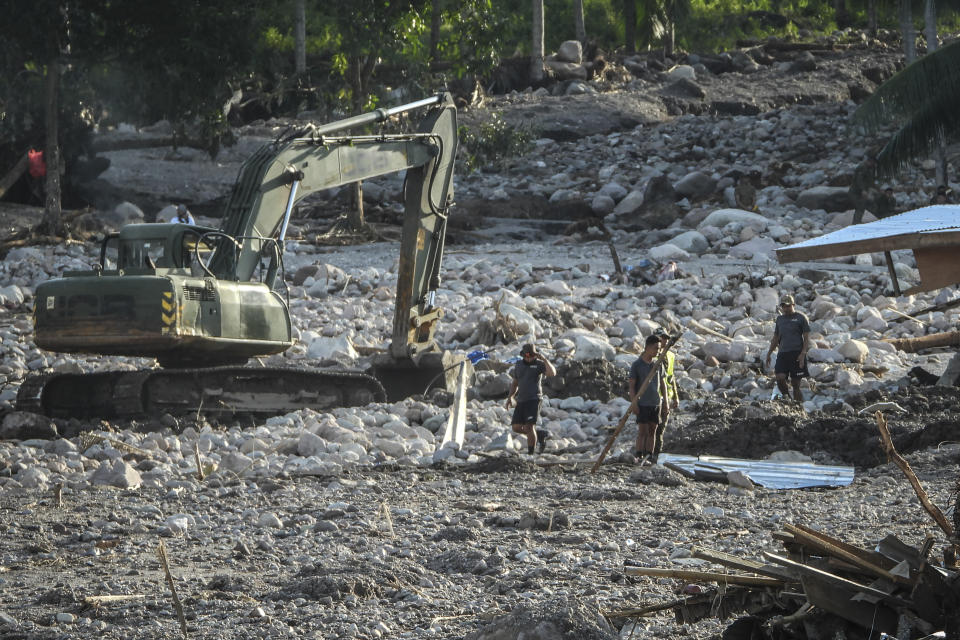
{"type": "Point", "coordinates": [194, 297]}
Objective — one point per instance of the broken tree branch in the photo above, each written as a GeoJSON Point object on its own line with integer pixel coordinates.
{"type": "Point", "coordinates": [162, 555]}
{"type": "Point", "coordinates": [899, 460]}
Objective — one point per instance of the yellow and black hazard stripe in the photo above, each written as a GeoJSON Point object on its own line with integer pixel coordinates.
{"type": "Point", "coordinates": [169, 310]}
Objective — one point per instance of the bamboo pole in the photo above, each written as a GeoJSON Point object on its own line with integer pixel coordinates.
{"type": "Point", "coordinates": [633, 403]}
{"type": "Point", "coordinates": [705, 576]}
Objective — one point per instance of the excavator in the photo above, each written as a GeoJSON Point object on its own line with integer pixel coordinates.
{"type": "Point", "coordinates": [203, 301]}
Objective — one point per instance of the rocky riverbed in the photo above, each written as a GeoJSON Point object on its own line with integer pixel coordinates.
{"type": "Point", "coordinates": [358, 524]}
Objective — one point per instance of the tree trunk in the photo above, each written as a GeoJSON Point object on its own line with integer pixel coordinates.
{"type": "Point", "coordinates": [300, 36]}
{"type": "Point", "coordinates": [840, 14]}
{"type": "Point", "coordinates": [361, 69]}
{"type": "Point", "coordinates": [579, 29]}
{"type": "Point", "coordinates": [630, 25]}
{"type": "Point", "coordinates": [906, 29]}
{"type": "Point", "coordinates": [536, 52]}
{"type": "Point", "coordinates": [872, 17]}
{"type": "Point", "coordinates": [930, 34]}
{"type": "Point", "coordinates": [669, 36]}
{"type": "Point", "coordinates": [435, 24]}
{"type": "Point", "coordinates": [52, 219]}
{"type": "Point", "coordinates": [355, 217]}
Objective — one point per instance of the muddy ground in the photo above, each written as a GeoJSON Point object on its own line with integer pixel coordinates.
{"type": "Point", "coordinates": [444, 552]}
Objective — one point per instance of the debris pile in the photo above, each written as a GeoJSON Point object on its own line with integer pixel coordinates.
{"type": "Point", "coordinates": [821, 587]}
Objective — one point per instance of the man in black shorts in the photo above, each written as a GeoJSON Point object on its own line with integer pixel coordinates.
{"type": "Point", "coordinates": [652, 404]}
{"type": "Point", "coordinates": [527, 390]}
{"type": "Point", "coordinates": [791, 338]}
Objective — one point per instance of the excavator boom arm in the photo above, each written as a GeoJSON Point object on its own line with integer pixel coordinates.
{"type": "Point", "coordinates": [318, 158]}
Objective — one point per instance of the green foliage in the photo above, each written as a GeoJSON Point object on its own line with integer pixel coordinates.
{"type": "Point", "coordinates": [492, 143]}
{"type": "Point", "coordinates": [472, 36]}
{"type": "Point", "coordinates": [922, 99]}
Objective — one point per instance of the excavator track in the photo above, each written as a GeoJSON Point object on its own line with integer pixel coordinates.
{"type": "Point", "coordinates": [217, 390]}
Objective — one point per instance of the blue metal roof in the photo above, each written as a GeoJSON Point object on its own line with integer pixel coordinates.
{"type": "Point", "coordinates": [772, 474]}
{"type": "Point", "coordinates": [926, 222]}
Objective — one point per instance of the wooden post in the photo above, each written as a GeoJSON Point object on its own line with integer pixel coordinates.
{"type": "Point", "coordinates": [893, 273]}
{"type": "Point", "coordinates": [633, 403]}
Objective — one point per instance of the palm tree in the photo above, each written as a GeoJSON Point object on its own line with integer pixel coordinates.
{"type": "Point", "coordinates": [924, 100]}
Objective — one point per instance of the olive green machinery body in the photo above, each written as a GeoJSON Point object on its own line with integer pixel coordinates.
{"type": "Point", "coordinates": [195, 297]}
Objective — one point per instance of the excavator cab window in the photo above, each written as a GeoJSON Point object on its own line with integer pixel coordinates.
{"type": "Point", "coordinates": [143, 253]}
{"type": "Point", "coordinates": [110, 252]}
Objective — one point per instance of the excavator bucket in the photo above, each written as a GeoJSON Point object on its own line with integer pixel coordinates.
{"type": "Point", "coordinates": [405, 377]}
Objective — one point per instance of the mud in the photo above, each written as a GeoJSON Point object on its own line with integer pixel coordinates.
{"type": "Point", "coordinates": [756, 430]}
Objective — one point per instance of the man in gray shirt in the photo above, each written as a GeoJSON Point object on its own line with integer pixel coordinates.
{"type": "Point", "coordinates": [791, 338]}
{"type": "Point", "coordinates": [526, 389]}
{"type": "Point", "coordinates": [651, 406]}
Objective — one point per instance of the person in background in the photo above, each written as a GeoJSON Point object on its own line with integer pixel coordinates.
{"type": "Point", "coordinates": [791, 338]}
{"type": "Point", "coordinates": [183, 215]}
{"type": "Point", "coordinates": [863, 189]}
{"type": "Point", "coordinates": [651, 405]}
{"type": "Point", "coordinates": [673, 394]}
{"type": "Point", "coordinates": [526, 387]}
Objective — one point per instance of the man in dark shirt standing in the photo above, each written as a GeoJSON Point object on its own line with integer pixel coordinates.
{"type": "Point", "coordinates": [791, 338]}
{"type": "Point", "coordinates": [527, 390]}
{"type": "Point", "coordinates": [652, 404]}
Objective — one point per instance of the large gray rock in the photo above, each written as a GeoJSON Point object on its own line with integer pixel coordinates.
{"type": "Point", "coordinates": [570, 51]}
{"type": "Point", "coordinates": [567, 70]}
{"type": "Point", "coordinates": [829, 199]}
{"type": "Point", "coordinates": [695, 185]}
{"type": "Point", "coordinates": [691, 242]}
{"type": "Point", "coordinates": [22, 425]}
{"type": "Point", "coordinates": [722, 217]}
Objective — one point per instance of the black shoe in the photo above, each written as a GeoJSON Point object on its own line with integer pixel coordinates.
{"type": "Point", "coordinates": [542, 436]}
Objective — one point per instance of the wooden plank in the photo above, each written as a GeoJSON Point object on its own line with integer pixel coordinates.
{"type": "Point", "coordinates": [743, 564]}
{"type": "Point", "coordinates": [805, 570]}
{"type": "Point", "coordinates": [888, 257]}
{"type": "Point", "coordinates": [836, 599]}
{"type": "Point", "coordinates": [849, 555]}
{"type": "Point", "coordinates": [705, 576]}
{"type": "Point", "coordinates": [866, 554]}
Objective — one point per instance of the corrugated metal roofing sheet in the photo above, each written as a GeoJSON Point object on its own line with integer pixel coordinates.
{"type": "Point", "coordinates": [772, 474]}
{"type": "Point", "coordinates": [927, 220]}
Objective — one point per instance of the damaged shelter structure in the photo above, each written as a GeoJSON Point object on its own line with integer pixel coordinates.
{"type": "Point", "coordinates": [821, 587]}
{"type": "Point", "coordinates": [931, 233]}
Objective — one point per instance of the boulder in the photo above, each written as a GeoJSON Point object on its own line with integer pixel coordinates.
{"type": "Point", "coordinates": [691, 242]}
{"type": "Point", "coordinates": [722, 217]}
{"type": "Point", "coordinates": [829, 199]}
{"type": "Point", "coordinates": [755, 248]}
{"type": "Point", "coordinates": [590, 347]}
{"type": "Point", "coordinates": [854, 351]}
{"type": "Point", "coordinates": [332, 348]}
{"type": "Point", "coordinates": [668, 251]}
{"type": "Point", "coordinates": [682, 72]}
{"type": "Point", "coordinates": [570, 51]}
{"type": "Point", "coordinates": [696, 185]}
{"type": "Point", "coordinates": [567, 70]}
{"type": "Point", "coordinates": [23, 425]}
